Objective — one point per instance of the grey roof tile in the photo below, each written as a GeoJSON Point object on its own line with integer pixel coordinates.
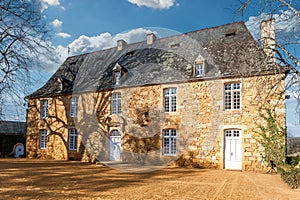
{"type": "Point", "coordinates": [12, 128]}
{"type": "Point", "coordinates": [228, 50]}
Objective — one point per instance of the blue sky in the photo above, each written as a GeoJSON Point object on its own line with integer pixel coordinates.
{"type": "Point", "coordinates": [93, 17]}
{"type": "Point", "coordinates": [89, 25]}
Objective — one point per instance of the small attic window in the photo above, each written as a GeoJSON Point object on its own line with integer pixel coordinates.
{"type": "Point", "coordinates": [173, 46]}
{"type": "Point", "coordinates": [117, 73]}
{"type": "Point", "coordinates": [130, 53]}
{"type": "Point", "coordinates": [74, 62]}
{"type": "Point", "coordinates": [231, 33]}
{"type": "Point", "coordinates": [117, 77]}
{"type": "Point", "coordinates": [199, 69]}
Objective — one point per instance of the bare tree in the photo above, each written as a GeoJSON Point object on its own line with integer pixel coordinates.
{"type": "Point", "coordinates": [287, 47]}
{"type": "Point", "coordinates": [23, 36]}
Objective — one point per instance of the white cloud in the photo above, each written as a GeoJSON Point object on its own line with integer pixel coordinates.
{"type": "Point", "coordinates": [85, 44]}
{"type": "Point", "coordinates": [56, 23]}
{"type": "Point", "coordinates": [52, 2]}
{"type": "Point", "coordinates": [51, 62]}
{"type": "Point", "coordinates": [63, 35]}
{"type": "Point", "coordinates": [46, 3]}
{"type": "Point", "coordinates": [156, 4]}
{"type": "Point", "coordinates": [287, 25]}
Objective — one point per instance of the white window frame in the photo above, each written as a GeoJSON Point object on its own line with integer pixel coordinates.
{"type": "Point", "coordinates": [117, 77]}
{"type": "Point", "coordinates": [73, 139]}
{"type": "Point", "coordinates": [43, 139]}
{"type": "Point", "coordinates": [170, 100]}
{"type": "Point", "coordinates": [74, 106]}
{"type": "Point", "coordinates": [44, 108]}
{"type": "Point", "coordinates": [116, 103]}
{"type": "Point", "coordinates": [232, 96]}
{"type": "Point", "coordinates": [169, 146]}
{"type": "Point", "coordinates": [199, 69]}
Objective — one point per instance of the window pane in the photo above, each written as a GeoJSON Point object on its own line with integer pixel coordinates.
{"type": "Point", "coordinates": [73, 139]}
{"type": "Point", "coordinates": [116, 103]}
{"type": "Point", "coordinates": [117, 78]}
{"type": "Point", "coordinates": [169, 142]}
{"type": "Point", "coordinates": [43, 139]}
{"type": "Point", "coordinates": [44, 109]}
{"type": "Point", "coordinates": [199, 69]}
{"type": "Point", "coordinates": [74, 106]}
{"type": "Point", "coordinates": [170, 99]}
{"type": "Point", "coordinates": [232, 96]}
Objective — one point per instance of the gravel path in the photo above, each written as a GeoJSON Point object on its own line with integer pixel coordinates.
{"type": "Point", "coordinates": [38, 179]}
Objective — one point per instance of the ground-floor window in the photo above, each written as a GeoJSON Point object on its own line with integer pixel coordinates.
{"type": "Point", "coordinates": [43, 139]}
{"type": "Point", "coordinates": [73, 139]}
{"type": "Point", "coordinates": [169, 142]}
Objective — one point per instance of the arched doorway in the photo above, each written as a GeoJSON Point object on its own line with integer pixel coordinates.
{"type": "Point", "coordinates": [18, 150]}
{"type": "Point", "coordinates": [115, 145]}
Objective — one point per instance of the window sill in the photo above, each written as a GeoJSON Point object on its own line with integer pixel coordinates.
{"type": "Point", "coordinates": [234, 112]}
{"type": "Point", "coordinates": [171, 112]}
{"type": "Point", "coordinates": [169, 155]}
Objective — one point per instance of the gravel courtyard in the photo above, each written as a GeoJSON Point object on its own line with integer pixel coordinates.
{"type": "Point", "coordinates": [38, 179]}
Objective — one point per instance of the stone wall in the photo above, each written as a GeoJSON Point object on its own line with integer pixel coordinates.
{"type": "Point", "coordinates": [200, 121]}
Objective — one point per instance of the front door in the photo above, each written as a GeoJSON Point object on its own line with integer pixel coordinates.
{"type": "Point", "coordinates": [115, 145]}
{"type": "Point", "coordinates": [233, 149]}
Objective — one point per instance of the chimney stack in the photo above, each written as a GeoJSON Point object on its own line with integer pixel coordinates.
{"type": "Point", "coordinates": [267, 28]}
{"type": "Point", "coordinates": [121, 44]}
{"type": "Point", "coordinates": [150, 38]}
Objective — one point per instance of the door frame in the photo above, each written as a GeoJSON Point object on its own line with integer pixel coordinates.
{"type": "Point", "coordinates": [114, 134]}
{"type": "Point", "coordinates": [235, 165]}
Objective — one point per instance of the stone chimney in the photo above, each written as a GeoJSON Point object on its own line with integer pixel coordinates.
{"type": "Point", "coordinates": [121, 44]}
{"type": "Point", "coordinates": [267, 28]}
{"type": "Point", "coordinates": [150, 38]}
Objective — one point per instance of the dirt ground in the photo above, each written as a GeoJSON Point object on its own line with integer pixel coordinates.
{"type": "Point", "coordinates": [36, 179]}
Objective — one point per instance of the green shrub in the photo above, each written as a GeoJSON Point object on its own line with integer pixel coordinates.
{"type": "Point", "coordinates": [291, 176]}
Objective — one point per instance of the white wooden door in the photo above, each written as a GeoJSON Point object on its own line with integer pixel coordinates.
{"type": "Point", "coordinates": [115, 146]}
{"type": "Point", "coordinates": [233, 149]}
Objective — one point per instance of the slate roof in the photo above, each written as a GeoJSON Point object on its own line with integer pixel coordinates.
{"type": "Point", "coordinates": [12, 128]}
{"type": "Point", "coordinates": [228, 50]}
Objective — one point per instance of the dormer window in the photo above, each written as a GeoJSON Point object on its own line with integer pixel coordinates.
{"type": "Point", "coordinates": [199, 69]}
{"type": "Point", "coordinates": [117, 73]}
{"type": "Point", "coordinates": [117, 78]}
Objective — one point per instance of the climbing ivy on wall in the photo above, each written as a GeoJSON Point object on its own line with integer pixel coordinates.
{"type": "Point", "coordinates": [273, 137]}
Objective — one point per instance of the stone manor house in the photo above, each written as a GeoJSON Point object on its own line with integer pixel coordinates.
{"type": "Point", "coordinates": [189, 99]}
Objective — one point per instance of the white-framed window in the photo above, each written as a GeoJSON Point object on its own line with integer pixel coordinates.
{"type": "Point", "coordinates": [232, 133]}
{"type": "Point", "coordinates": [117, 78]}
{"type": "Point", "coordinates": [170, 99]}
{"type": "Point", "coordinates": [169, 142]}
{"type": "Point", "coordinates": [74, 106]}
{"type": "Point", "coordinates": [73, 137]}
{"type": "Point", "coordinates": [44, 109]}
{"type": "Point", "coordinates": [43, 139]}
{"type": "Point", "coordinates": [232, 100]}
{"type": "Point", "coordinates": [199, 69]}
{"type": "Point", "coordinates": [116, 103]}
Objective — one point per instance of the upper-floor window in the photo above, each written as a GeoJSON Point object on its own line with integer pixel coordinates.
{"type": "Point", "coordinates": [44, 109]}
{"type": "Point", "coordinates": [169, 142]}
{"type": "Point", "coordinates": [73, 107]}
{"type": "Point", "coordinates": [199, 69]}
{"type": "Point", "coordinates": [73, 137]}
{"type": "Point", "coordinates": [232, 100]}
{"type": "Point", "coordinates": [170, 99]}
{"type": "Point", "coordinates": [116, 103]}
{"type": "Point", "coordinates": [43, 139]}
